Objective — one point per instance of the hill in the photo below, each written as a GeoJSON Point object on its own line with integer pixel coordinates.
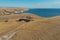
{"type": "Point", "coordinates": [8, 11]}
{"type": "Point", "coordinates": [29, 27]}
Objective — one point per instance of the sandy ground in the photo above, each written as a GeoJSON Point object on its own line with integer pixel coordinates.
{"type": "Point", "coordinates": [38, 28]}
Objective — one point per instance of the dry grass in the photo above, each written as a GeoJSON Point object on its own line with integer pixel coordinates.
{"type": "Point", "coordinates": [38, 29]}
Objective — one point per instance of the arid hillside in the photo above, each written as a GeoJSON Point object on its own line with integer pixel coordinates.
{"type": "Point", "coordinates": [8, 11]}
{"type": "Point", "coordinates": [28, 26]}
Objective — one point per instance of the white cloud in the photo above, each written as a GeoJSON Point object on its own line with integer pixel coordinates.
{"type": "Point", "coordinates": [55, 4]}
{"type": "Point", "coordinates": [48, 5]}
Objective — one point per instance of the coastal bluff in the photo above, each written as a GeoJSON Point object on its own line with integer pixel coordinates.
{"type": "Point", "coordinates": [27, 26]}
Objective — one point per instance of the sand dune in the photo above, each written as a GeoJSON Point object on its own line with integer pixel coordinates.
{"type": "Point", "coordinates": [38, 28]}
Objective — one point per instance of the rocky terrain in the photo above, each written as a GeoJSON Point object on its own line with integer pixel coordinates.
{"type": "Point", "coordinates": [28, 26]}
{"type": "Point", "coordinates": [8, 11]}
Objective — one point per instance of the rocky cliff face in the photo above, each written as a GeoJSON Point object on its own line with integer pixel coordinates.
{"type": "Point", "coordinates": [16, 27]}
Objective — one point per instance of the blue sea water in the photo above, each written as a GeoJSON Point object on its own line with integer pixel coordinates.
{"type": "Point", "coordinates": [45, 12]}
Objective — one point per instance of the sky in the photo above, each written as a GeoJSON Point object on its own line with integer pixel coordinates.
{"type": "Point", "coordinates": [30, 3]}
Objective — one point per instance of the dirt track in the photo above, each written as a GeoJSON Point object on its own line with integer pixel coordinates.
{"type": "Point", "coordinates": [38, 29]}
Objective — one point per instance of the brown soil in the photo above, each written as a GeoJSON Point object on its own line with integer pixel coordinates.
{"type": "Point", "coordinates": [38, 28]}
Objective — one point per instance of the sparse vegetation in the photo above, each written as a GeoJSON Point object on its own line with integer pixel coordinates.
{"type": "Point", "coordinates": [38, 29]}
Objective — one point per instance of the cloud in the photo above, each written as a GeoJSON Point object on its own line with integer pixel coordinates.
{"type": "Point", "coordinates": [55, 4]}
{"type": "Point", "coordinates": [48, 5]}
{"type": "Point", "coordinates": [38, 5]}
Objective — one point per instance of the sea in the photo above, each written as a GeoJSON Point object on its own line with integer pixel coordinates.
{"type": "Point", "coordinates": [45, 12]}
